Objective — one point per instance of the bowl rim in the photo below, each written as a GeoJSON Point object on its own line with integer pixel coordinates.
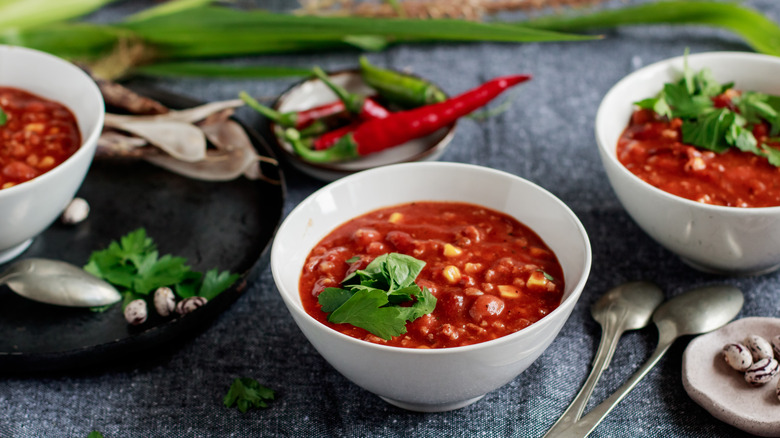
{"type": "Point", "coordinates": [335, 168]}
{"type": "Point", "coordinates": [565, 306]}
{"type": "Point", "coordinates": [609, 150]}
{"type": "Point", "coordinates": [89, 138]}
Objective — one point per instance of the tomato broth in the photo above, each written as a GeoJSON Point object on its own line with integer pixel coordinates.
{"type": "Point", "coordinates": [491, 275]}
{"type": "Point", "coordinates": [652, 149]}
{"type": "Point", "coordinates": [38, 135]}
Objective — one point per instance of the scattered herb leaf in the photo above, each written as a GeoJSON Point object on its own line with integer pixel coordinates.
{"type": "Point", "coordinates": [133, 265]}
{"type": "Point", "coordinates": [717, 129]}
{"type": "Point", "coordinates": [371, 298]}
{"type": "Point", "coordinates": [246, 392]}
{"type": "Point", "coordinates": [95, 434]}
{"type": "Point", "coordinates": [3, 117]}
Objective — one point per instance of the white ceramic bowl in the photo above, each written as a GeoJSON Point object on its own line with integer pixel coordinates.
{"type": "Point", "coordinates": [719, 239]}
{"type": "Point", "coordinates": [313, 92]}
{"type": "Point", "coordinates": [29, 208]}
{"type": "Point", "coordinates": [434, 379]}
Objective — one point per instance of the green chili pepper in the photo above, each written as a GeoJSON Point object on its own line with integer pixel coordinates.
{"type": "Point", "coordinates": [405, 90]}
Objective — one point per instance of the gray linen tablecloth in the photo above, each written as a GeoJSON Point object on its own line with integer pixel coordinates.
{"type": "Point", "coordinates": [546, 135]}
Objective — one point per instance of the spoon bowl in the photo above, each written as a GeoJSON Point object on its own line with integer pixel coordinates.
{"type": "Point", "coordinates": [59, 283]}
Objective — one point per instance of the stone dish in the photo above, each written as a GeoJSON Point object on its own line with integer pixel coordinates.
{"type": "Point", "coordinates": [721, 390]}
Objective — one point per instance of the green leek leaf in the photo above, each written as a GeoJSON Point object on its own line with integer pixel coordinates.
{"type": "Point", "coordinates": [22, 14]}
{"type": "Point", "coordinates": [204, 69]}
{"type": "Point", "coordinates": [758, 31]}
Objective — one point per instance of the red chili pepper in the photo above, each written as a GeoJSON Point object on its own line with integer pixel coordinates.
{"type": "Point", "coordinates": [362, 106]}
{"type": "Point", "coordinates": [379, 134]}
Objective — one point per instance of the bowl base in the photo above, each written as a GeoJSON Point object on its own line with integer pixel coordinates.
{"type": "Point", "coordinates": [422, 407]}
{"type": "Point", "coordinates": [711, 270]}
{"type": "Point", "coordinates": [9, 254]}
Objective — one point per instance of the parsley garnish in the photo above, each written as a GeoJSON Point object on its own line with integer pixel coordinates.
{"type": "Point", "coordinates": [3, 117]}
{"type": "Point", "coordinates": [246, 392]}
{"type": "Point", "coordinates": [370, 298]}
{"type": "Point", "coordinates": [134, 266]}
{"type": "Point", "coordinates": [717, 129]}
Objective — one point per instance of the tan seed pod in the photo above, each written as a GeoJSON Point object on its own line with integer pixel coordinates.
{"type": "Point", "coordinates": [737, 356]}
{"type": "Point", "coordinates": [135, 312]}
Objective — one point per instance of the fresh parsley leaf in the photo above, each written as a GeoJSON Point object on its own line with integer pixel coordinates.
{"type": "Point", "coordinates": [246, 392]}
{"type": "Point", "coordinates": [684, 104]}
{"type": "Point", "coordinates": [772, 154]}
{"type": "Point", "coordinates": [95, 434]}
{"type": "Point", "coordinates": [3, 117]}
{"type": "Point", "coordinates": [389, 271]}
{"type": "Point", "coordinates": [214, 282]}
{"type": "Point", "coordinates": [134, 266]}
{"type": "Point", "coordinates": [374, 303]}
{"type": "Point", "coordinates": [332, 298]}
{"type": "Point", "coordinates": [717, 129]}
{"type": "Point", "coordinates": [424, 305]}
{"type": "Point", "coordinates": [365, 309]}
{"type": "Point", "coordinates": [709, 130]}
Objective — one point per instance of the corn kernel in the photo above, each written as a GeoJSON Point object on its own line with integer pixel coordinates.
{"type": "Point", "coordinates": [7, 185]}
{"type": "Point", "coordinates": [47, 161]}
{"type": "Point", "coordinates": [537, 280]}
{"type": "Point", "coordinates": [452, 250]}
{"type": "Point", "coordinates": [34, 127]}
{"type": "Point", "coordinates": [451, 273]}
{"type": "Point", "coordinates": [508, 291]}
{"type": "Point", "coordinates": [395, 218]}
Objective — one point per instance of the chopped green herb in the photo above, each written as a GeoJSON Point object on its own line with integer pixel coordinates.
{"type": "Point", "coordinates": [370, 298]}
{"type": "Point", "coordinates": [717, 129]}
{"type": "Point", "coordinates": [3, 117]}
{"type": "Point", "coordinates": [246, 392]}
{"type": "Point", "coordinates": [134, 266]}
{"type": "Point", "coordinates": [95, 434]}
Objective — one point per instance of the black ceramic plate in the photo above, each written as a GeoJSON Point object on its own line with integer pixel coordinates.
{"type": "Point", "coordinates": [228, 225]}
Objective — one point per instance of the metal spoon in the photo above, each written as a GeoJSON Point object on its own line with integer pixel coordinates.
{"type": "Point", "coordinates": [626, 307]}
{"type": "Point", "coordinates": [691, 313]}
{"type": "Point", "coordinates": [59, 283]}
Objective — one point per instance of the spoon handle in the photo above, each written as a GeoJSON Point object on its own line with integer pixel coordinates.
{"type": "Point", "coordinates": [609, 340]}
{"type": "Point", "coordinates": [585, 426]}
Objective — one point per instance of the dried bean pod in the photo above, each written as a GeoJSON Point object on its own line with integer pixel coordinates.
{"type": "Point", "coordinates": [164, 301]}
{"type": "Point", "coordinates": [759, 347]}
{"type": "Point", "coordinates": [187, 305]}
{"type": "Point", "coordinates": [762, 371]}
{"type": "Point", "coordinates": [738, 357]}
{"type": "Point", "coordinates": [135, 312]}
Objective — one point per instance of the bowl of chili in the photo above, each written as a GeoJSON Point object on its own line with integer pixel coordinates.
{"type": "Point", "coordinates": [52, 115]}
{"type": "Point", "coordinates": [494, 245]}
{"type": "Point", "coordinates": [715, 206]}
{"type": "Point", "coordinates": [313, 99]}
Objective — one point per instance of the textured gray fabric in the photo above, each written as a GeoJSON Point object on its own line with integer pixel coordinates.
{"type": "Point", "coordinates": [546, 135]}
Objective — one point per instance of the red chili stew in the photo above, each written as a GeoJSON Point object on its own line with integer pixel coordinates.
{"type": "Point", "coordinates": [38, 135]}
{"type": "Point", "coordinates": [491, 275]}
{"type": "Point", "coordinates": [651, 148]}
